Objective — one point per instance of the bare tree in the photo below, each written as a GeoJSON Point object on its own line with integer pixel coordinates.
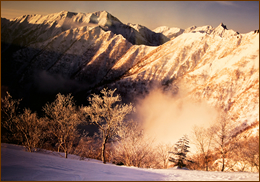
{"type": "Point", "coordinates": [203, 138]}
{"type": "Point", "coordinates": [63, 118]}
{"type": "Point", "coordinates": [107, 115]}
{"type": "Point", "coordinates": [223, 136]}
{"type": "Point", "coordinates": [248, 151]}
{"type": "Point", "coordinates": [163, 153]}
{"type": "Point", "coordinates": [253, 151]}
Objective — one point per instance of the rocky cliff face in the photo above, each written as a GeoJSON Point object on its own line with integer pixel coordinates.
{"type": "Point", "coordinates": [82, 53]}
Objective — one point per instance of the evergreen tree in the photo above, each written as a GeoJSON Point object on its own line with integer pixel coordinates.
{"type": "Point", "coordinates": [180, 152]}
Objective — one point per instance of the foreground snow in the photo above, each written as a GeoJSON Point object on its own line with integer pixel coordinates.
{"type": "Point", "coordinates": [17, 164]}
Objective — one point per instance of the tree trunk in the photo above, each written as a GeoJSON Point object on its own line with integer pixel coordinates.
{"type": "Point", "coordinates": [164, 164]}
{"type": "Point", "coordinates": [59, 148]}
{"type": "Point", "coordinates": [66, 154]}
{"type": "Point", "coordinates": [206, 163]}
{"type": "Point", "coordinates": [103, 157]}
{"type": "Point", "coordinates": [223, 163]}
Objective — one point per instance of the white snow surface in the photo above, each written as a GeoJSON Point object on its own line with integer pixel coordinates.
{"type": "Point", "coordinates": [17, 164]}
{"type": "Point", "coordinates": [169, 32]}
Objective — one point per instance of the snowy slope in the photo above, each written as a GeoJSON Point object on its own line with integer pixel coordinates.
{"type": "Point", "coordinates": [221, 68]}
{"type": "Point", "coordinates": [155, 38]}
{"type": "Point", "coordinates": [173, 32]}
{"type": "Point", "coordinates": [17, 164]}
{"type": "Point", "coordinates": [169, 32]}
{"type": "Point", "coordinates": [94, 41]}
{"type": "Point", "coordinates": [93, 51]}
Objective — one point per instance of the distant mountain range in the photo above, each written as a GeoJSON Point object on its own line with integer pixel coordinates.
{"type": "Point", "coordinates": [81, 53]}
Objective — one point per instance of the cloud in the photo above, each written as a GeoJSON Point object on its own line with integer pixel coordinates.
{"type": "Point", "coordinates": [167, 118]}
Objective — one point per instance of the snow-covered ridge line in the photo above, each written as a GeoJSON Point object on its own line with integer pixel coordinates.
{"type": "Point", "coordinates": [221, 30]}
{"type": "Point", "coordinates": [67, 20]}
{"type": "Point", "coordinates": [81, 52]}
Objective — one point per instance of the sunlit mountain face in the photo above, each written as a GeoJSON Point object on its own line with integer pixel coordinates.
{"type": "Point", "coordinates": [82, 53]}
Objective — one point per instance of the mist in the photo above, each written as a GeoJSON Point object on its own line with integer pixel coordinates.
{"type": "Point", "coordinates": [54, 83]}
{"type": "Point", "coordinates": [166, 118]}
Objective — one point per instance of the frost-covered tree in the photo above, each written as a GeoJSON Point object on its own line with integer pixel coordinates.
{"type": "Point", "coordinates": [107, 114]}
{"type": "Point", "coordinates": [29, 129]}
{"type": "Point", "coordinates": [63, 118]}
{"type": "Point", "coordinates": [133, 148]}
{"type": "Point", "coordinates": [25, 128]}
{"type": "Point", "coordinates": [9, 113]}
{"type": "Point", "coordinates": [180, 152]}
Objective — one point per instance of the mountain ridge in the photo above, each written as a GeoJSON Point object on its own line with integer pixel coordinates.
{"type": "Point", "coordinates": [82, 53]}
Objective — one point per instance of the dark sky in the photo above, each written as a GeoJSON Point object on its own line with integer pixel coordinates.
{"type": "Point", "coordinates": [241, 16]}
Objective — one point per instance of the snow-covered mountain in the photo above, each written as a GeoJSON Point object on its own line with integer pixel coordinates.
{"type": "Point", "coordinates": [173, 32]}
{"type": "Point", "coordinates": [38, 28]}
{"type": "Point", "coordinates": [169, 32]}
{"type": "Point", "coordinates": [217, 65]}
{"type": "Point", "coordinates": [82, 53]}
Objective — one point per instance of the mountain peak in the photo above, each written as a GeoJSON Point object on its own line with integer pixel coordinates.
{"type": "Point", "coordinates": [68, 14]}
{"type": "Point", "coordinates": [223, 26]}
{"type": "Point", "coordinates": [190, 29]}
{"type": "Point", "coordinates": [105, 18]}
{"type": "Point", "coordinates": [103, 13]}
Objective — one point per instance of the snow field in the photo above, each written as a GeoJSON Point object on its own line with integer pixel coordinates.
{"type": "Point", "coordinates": [17, 164]}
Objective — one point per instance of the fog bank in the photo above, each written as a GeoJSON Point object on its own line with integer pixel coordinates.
{"type": "Point", "coordinates": [166, 118]}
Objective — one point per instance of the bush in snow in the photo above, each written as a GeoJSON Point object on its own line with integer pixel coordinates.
{"type": "Point", "coordinates": [89, 147]}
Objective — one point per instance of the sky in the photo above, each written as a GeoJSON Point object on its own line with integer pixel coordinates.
{"type": "Point", "coordinates": [241, 16]}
